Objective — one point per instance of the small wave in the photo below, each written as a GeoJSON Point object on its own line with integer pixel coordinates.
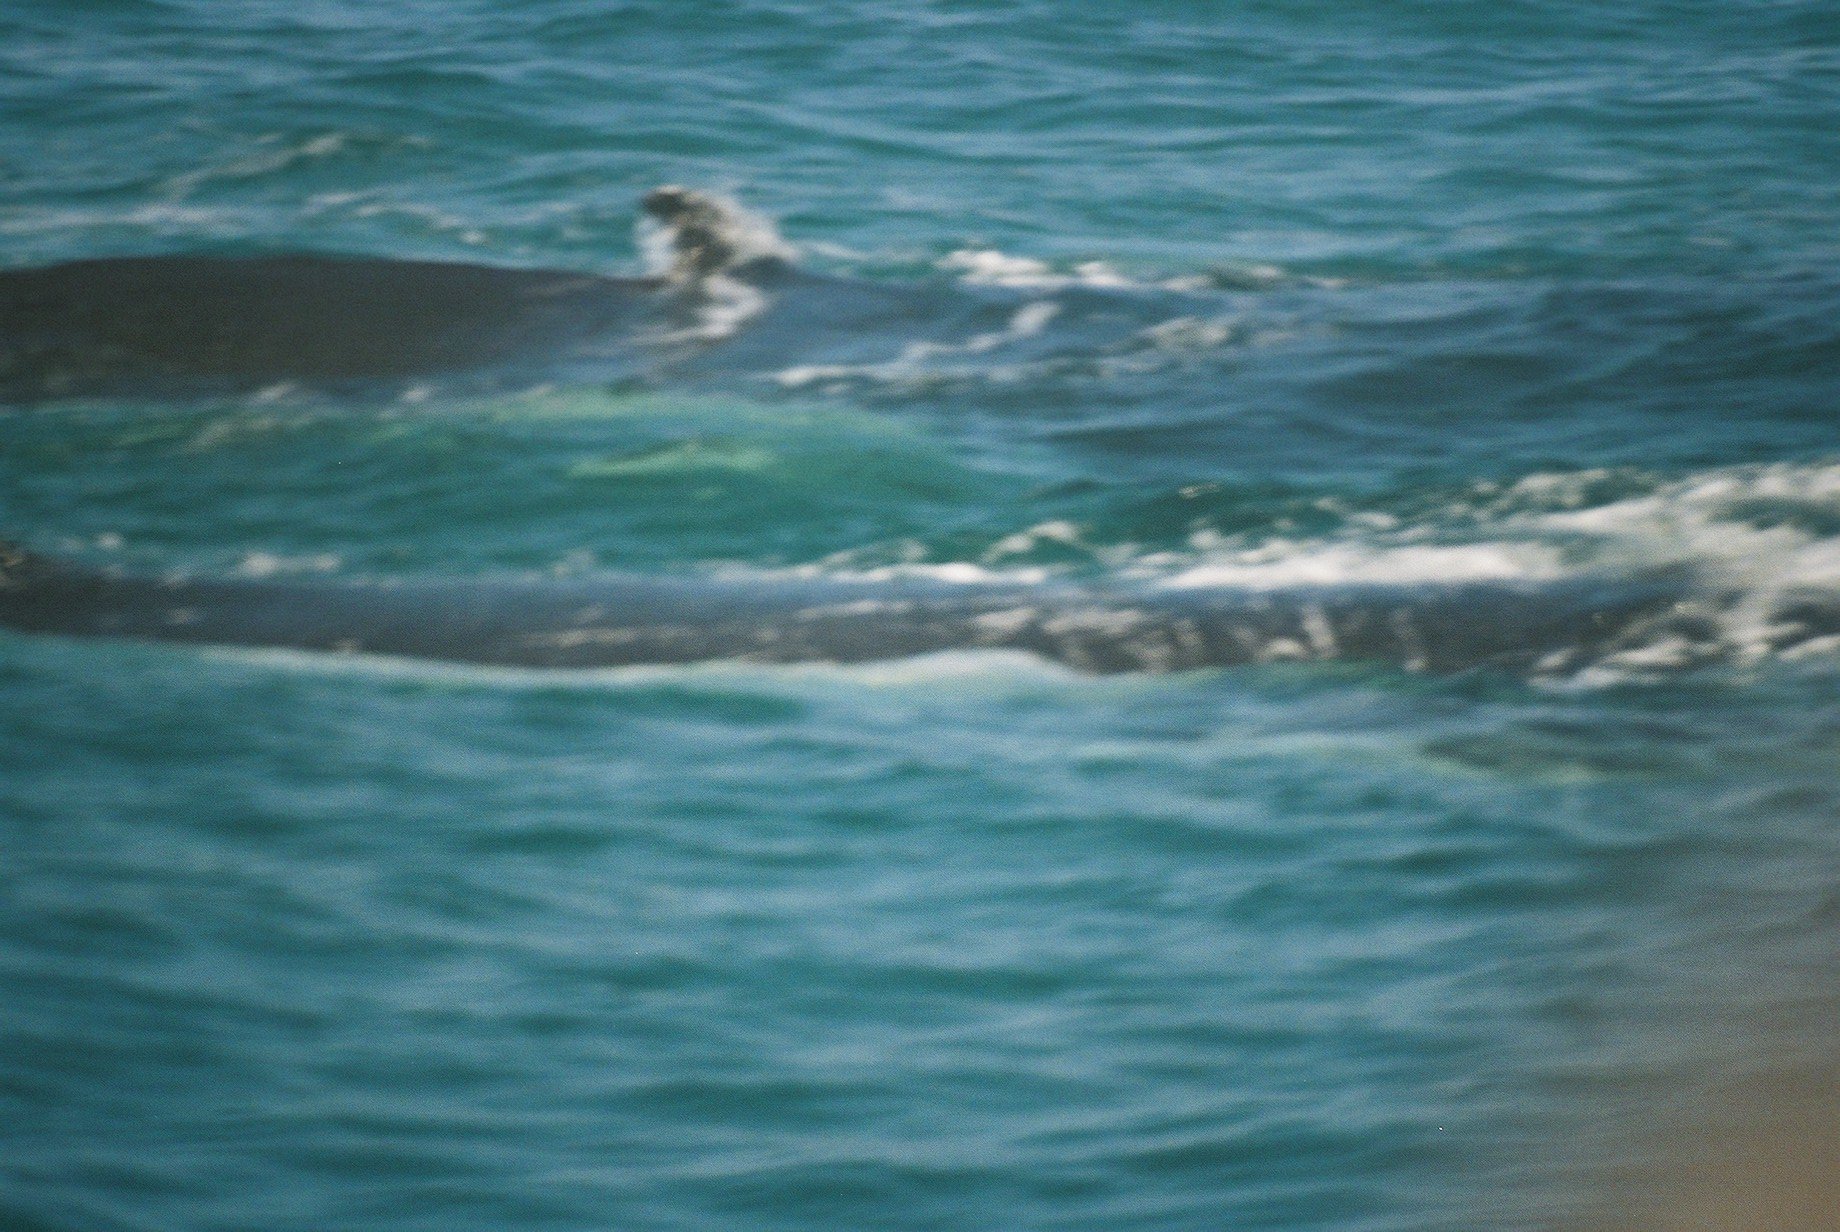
{"type": "Point", "coordinates": [1762, 527]}
{"type": "Point", "coordinates": [1768, 536]}
{"type": "Point", "coordinates": [155, 217]}
{"type": "Point", "coordinates": [275, 153]}
{"type": "Point", "coordinates": [425, 218]}
{"type": "Point", "coordinates": [919, 360]}
{"type": "Point", "coordinates": [1762, 540]}
{"type": "Point", "coordinates": [993, 268]}
{"type": "Point", "coordinates": [1764, 523]}
{"type": "Point", "coordinates": [989, 267]}
{"type": "Point", "coordinates": [689, 457]}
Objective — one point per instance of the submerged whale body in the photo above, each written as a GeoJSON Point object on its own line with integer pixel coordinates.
{"type": "Point", "coordinates": [203, 324]}
{"type": "Point", "coordinates": [632, 620]}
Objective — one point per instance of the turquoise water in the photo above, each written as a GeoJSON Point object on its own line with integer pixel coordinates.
{"type": "Point", "coordinates": [1291, 293]}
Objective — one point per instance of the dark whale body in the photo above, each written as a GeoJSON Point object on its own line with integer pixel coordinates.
{"type": "Point", "coordinates": [627, 620]}
{"type": "Point", "coordinates": [192, 325]}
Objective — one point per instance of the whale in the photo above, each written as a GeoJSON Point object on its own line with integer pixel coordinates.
{"type": "Point", "coordinates": [183, 325]}
{"type": "Point", "coordinates": [617, 620]}
{"type": "Point", "coordinates": [723, 298]}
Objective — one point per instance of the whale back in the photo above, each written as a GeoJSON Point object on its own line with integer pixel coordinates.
{"type": "Point", "coordinates": [204, 324]}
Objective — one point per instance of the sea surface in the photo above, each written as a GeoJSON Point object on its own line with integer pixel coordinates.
{"type": "Point", "coordinates": [1274, 294]}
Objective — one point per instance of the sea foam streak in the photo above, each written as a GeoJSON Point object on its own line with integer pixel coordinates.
{"type": "Point", "coordinates": [1756, 540]}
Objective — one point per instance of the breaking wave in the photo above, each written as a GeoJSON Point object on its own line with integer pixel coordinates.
{"type": "Point", "coordinates": [1757, 548]}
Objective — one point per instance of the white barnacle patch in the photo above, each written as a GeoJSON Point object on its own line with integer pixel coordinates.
{"type": "Point", "coordinates": [180, 616]}
{"type": "Point", "coordinates": [566, 639]}
{"type": "Point", "coordinates": [1190, 647]}
{"type": "Point", "coordinates": [1093, 639]}
{"type": "Point", "coordinates": [994, 628]}
{"type": "Point", "coordinates": [1813, 647]}
{"type": "Point", "coordinates": [1555, 661]}
{"type": "Point", "coordinates": [856, 607]}
{"type": "Point", "coordinates": [1283, 650]}
{"type": "Point", "coordinates": [1316, 627]}
{"type": "Point", "coordinates": [1102, 622]}
{"type": "Point", "coordinates": [1411, 646]}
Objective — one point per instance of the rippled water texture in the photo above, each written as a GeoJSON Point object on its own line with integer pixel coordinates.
{"type": "Point", "coordinates": [1294, 295]}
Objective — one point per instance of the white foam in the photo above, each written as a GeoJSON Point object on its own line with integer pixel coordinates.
{"type": "Point", "coordinates": [918, 360]}
{"type": "Point", "coordinates": [428, 217]}
{"type": "Point", "coordinates": [1736, 523]}
{"type": "Point", "coordinates": [1731, 525]}
{"type": "Point", "coordinates": [844, 568]}
{"type": "Point", "coordinates": [988, 267]}
{"type": "Point", "coordinates": [1189, 334]}
{"type": "Point", "coordinates": [151, 216]}
{"type": "Point", "coordinates": [1024, 541]}
{"type": "Point", "coordinates": [1754, 539]}
{"type": "Point", "coordinates": [269, 564]}
{"type": "Point", "coordinates": [726, 306]}
{"type": "Point", "coordinates": [955, 668]}
{"type": "Point", "coordinates": [1287, 564]}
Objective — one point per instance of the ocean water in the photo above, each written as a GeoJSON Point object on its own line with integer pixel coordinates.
{"type": "Point", "coordinates": [1275, 295]}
